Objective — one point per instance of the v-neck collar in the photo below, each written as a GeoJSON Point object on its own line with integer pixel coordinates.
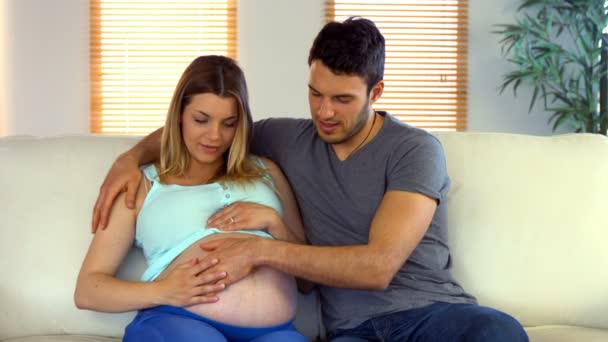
{"type": "Point", "coordinates": [353, 156]}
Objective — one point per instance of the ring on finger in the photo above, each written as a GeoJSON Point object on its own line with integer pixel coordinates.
{"type": "Point", "coordinates": [232, 220]}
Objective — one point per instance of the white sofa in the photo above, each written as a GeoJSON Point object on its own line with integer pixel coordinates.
{"type": "Point", "coordinates": [528, 229]}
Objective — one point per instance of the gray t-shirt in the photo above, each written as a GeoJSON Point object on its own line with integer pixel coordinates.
{"type": "Point", "coordinates": [338, 200]}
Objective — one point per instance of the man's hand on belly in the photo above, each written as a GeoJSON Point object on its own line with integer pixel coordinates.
{"type": "Point", "coordinates": [236, 256]}
{"type": "Point", "coordinates": [191, 283]}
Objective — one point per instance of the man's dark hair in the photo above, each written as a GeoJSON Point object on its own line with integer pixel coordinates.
{"type": "Point", "coordinates": [353, 47]}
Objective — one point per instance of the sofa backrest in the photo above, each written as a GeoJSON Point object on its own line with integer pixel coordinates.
{"type": "Point", "coordinates": [48, 188]}
{"type": "Point", "coordinates": [527, 220]}
{"type": "Point", "coordinates": [528, 224]}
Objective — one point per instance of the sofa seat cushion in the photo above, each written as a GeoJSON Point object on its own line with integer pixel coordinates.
{"type": "Point", "coordinates": [63, 338]}
{"type": "Point", "coordinates": [566, 333]}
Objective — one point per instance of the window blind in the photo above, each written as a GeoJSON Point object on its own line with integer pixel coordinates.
{"type": "Point", "coordinates": [138, 51]}
{"type": "Point", "coordinates": [426, 57]}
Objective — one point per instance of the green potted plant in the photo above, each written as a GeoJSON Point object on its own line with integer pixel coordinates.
{"type": "Point", "coordinates": [559, 49]}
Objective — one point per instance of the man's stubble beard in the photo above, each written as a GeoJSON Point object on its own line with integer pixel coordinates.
{"type": "Point", "coordinates": [360, 122]}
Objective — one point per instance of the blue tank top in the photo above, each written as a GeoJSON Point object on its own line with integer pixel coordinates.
{"type": "Point", "coordinates": [173, 217]}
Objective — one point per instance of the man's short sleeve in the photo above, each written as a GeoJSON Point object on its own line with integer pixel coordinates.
{"type": "Point", "coordinates": [418, 165]}
{"type": "Point", "coordinates": [274, 137]}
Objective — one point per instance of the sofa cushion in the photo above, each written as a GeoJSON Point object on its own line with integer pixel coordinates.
{"type": "Point", "coordinates": [536, 334]}
{"type": "Point", "coordinates": [63, 338]}
{"type": "Point", "coordinates": [562, 333]}
{"type": "Point", "coordinates": [527, 224]}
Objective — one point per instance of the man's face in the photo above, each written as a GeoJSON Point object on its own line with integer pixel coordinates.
{"type": "Point", "coordinates": [339, 104]}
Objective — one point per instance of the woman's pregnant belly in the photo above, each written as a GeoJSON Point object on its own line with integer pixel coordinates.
{"type": "Point", "coordinates": [264, 298]}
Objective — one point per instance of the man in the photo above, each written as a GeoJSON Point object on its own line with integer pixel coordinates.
{"type": "Point", "coordinates": [372, 193]}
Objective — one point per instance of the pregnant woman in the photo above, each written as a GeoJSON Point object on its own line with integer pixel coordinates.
{"type": "Point", "coordinates": [206, 184]}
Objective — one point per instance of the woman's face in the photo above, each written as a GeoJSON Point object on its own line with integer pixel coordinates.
{"type": "Point", "coordinates": [208, 126]}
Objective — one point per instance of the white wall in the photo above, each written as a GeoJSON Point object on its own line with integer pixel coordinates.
{"type": "Point", "coordinates": [489, 111]}
{"type": "Point", "coordinates": [45, 56]}
{"type": "Point", "coordinates": [4, 125]}
{"type": "Point", "coordinates": [273, 51]}
{"type": "Point", "coordinates": [48, 76]}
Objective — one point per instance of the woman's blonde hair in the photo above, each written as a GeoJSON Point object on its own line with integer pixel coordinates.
{"type": "Point", "coordinates": [220, 76]}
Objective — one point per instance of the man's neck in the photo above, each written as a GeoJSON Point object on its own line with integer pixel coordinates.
{"type": "Point", "coordinates": [365, 136]}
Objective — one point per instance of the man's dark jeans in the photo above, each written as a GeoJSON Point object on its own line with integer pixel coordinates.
{"type": "Point", "coordinates": [435, 323]}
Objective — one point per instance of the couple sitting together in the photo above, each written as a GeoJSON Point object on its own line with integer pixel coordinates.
{"type": "Point", "coordinates": [221, 229]}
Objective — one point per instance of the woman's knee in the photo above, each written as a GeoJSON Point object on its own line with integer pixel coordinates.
{"type": "Point", "coordinates": [142, 331]}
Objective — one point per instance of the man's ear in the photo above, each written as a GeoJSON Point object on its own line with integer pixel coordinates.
{"type": "Point", "coordinates": [376, 91]}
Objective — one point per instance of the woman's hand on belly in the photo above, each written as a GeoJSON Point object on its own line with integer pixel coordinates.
{"type": "Point", "coordinates": [245, 215]}
{"type": "Point", "coordinates": [189, 284]}
{"type": "Point", "coordinates": [255, 216]}
{"type": "Point", "coordinates": [236, 256]}
{"type": "Point", "coordinates": [261, 297]}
